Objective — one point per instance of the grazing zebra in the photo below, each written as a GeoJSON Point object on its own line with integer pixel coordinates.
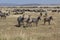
{"type": "Point", "coordinates": [35, 20]}
{"type": "Point", "coordinates": [20, 20]}
{"type": "Point", "coordinates": [48, 19]}
{"type": "Point", "coordinates": [3, 15]}
{"type": "Point", "coordinates": [27, 20]}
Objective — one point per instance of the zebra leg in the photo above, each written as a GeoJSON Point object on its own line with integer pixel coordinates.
{"type": "Point", "coordinates": [36, 23]}
{"type": "Point", "coordinates": [44, 22]}
{"type": "Point", "coordinates": [49, 22]}
{"type": "Point", "coordinates": [30, 23]}
{"type": "Point", "coordinates": [27, 23]}
{"type": "Point", "coordinates": [5, 17]}
{"type": "Point", "coordinates": [19, 24]}
{"type": "Point", "coordinates": [23, 23]}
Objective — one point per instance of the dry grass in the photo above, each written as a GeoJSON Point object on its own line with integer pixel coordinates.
{"type": "Point", "coordinates": [8, 31]}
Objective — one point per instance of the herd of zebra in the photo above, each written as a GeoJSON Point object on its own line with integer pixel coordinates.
{"type": "Point", "coordinates": [3, 15]}
{"type": "Point", "coordinates": [30, 20]}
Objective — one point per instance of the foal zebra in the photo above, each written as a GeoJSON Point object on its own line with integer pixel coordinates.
{"type": "Point", "coordinates": [48, 19]}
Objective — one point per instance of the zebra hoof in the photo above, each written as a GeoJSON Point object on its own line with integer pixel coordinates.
{"type": "Point", "coordinates": [17, 25]}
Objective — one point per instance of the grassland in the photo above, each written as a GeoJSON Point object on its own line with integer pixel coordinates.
{"type": "Point", "coordinates": [8, 30]}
